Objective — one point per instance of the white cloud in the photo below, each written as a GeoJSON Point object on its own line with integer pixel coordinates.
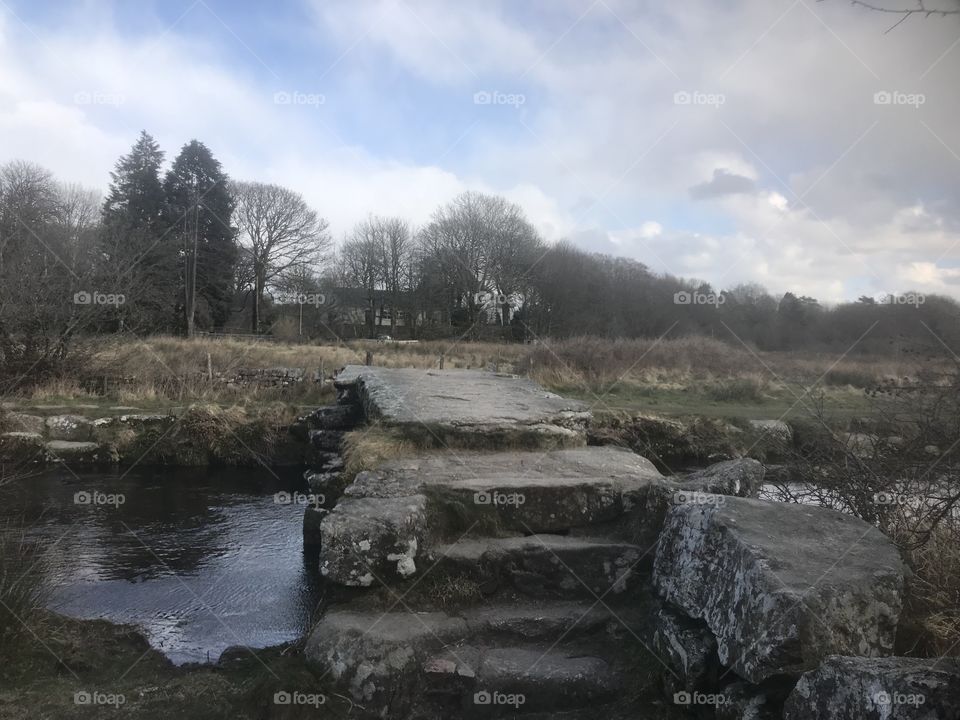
{"type": "Point", "coordinates": [832, 191]}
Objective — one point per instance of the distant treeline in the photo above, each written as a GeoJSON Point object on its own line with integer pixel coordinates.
{"type": "Point", "coordinates": [187, 250]}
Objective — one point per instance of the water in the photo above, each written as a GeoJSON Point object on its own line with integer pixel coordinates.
{"type": "Point", "coordinates": [199, 560]}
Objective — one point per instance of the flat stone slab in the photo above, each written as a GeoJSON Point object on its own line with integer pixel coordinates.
{"type": "Point", "coordinates": [540, 679]}
{"type": "Point", "coordinates": [544, 565]}
{"type": "Point", "coordinates": [548, 621]}
{"type": "Point", "coordinates": [383, 660]}
{"type": "Point", "coordinates": [385, 516]}
{"type": "Point", "coordinates": [470, 400]}
{"type": "Point", "coordinates": [83, 453]}
{"type": "Point", "coordinates": [781, 586]}
{"type": "Point", "coordinates": [893, 688]}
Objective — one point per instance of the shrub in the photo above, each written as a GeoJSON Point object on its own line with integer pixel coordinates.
{"type": "Point", "coordinates": [746, 390]}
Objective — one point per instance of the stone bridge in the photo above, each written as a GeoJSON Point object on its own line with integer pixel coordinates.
{"type": "Point", "coordinates": [566, 580]}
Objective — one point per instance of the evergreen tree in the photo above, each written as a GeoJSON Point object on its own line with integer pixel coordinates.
{"type": "Point", "coordinates": [199, 206]}
{"type": "Point", "coordinates": [138, 255]}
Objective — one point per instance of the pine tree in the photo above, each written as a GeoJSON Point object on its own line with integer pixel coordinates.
{"type": "Point", "coordinates": [138, 255]}
{"type": "Point", "coordinates": [199, 207]}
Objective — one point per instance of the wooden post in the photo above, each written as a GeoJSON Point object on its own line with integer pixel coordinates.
{"type": "Point", "coordinates": [369, 358]}
{"type": "Point", "coordinates": [441, 361]}
{"type": "Point", "coordinates": [209, 368]}
{"type": "Point", "coordinates": [321, 373]}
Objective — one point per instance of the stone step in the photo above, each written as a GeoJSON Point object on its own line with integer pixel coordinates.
{"type": "Point", "coordinates": [544, 565]}
{"type": "Point", "coordinates": [545, 621]}
{"type": "Point", "coordinates": [388, 517]}
{"type": "Point", "coordinates": [471, 404]}
{"type": "Point", "coordinates": [480, 661]}
{"type": "Point", "coordinates": [519, 680]}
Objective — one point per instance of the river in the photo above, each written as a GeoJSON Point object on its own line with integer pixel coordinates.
{"type": "Point", "coordinates": [198, 559]}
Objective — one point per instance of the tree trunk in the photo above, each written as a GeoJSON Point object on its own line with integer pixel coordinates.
{"type": "Point", "coordinates": [257, 298]}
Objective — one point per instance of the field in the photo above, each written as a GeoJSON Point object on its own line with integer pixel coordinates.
{"type": "Point", "coordinates": [687, 376]}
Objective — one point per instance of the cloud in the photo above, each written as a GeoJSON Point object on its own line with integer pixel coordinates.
{"type": "Point", "coordinates": [813, 187]}
{"type": "Point", "coordinates": [723, 183]}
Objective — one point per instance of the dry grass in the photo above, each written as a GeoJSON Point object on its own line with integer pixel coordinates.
{"type": "Point", "coordinates": [161, 370]}
{"type": "Point", "coordinates": [23, 586]}
{"type": "Point", "coordinates": [599, 361]}
{"type": "Point", "coordinates": [370, 447]}
{"type": "Point", "coordinates": [933, 603]}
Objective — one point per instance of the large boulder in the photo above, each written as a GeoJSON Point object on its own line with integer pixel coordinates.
{"type": "Point", "coordinates": [893, 688]}
{"type": "Point", "coordinates": [780, 586]}
{"type": "Point", "coordinates": [742, 477]}
{"type": "Point", "coordinates": [743, 701]}
{"type": "Point", "coordinates": [72, 428]}
{"type": "Point", "coordinates": [688, 648]}
{"type": "Point", "coordinates": [770, 438]}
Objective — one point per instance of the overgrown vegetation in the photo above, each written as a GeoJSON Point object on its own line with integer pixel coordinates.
{"type": "Point", "coordinates": [24, 589]}
{"type": "Point", "coordinates": [900, 471]}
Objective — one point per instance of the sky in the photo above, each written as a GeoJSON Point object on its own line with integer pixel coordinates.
{"type": "Point", "coordinates": [798, 144]}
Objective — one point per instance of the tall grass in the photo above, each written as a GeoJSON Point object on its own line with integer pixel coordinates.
{"type": "Point", "coordinates": [24, 588]}
{"type": "Point", "coordinates": [170, 369]}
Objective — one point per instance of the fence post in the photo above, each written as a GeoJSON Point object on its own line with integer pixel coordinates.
{"type": "Point", "coordinates": [209, 368]}
{"type": "Point", "coordinates": [369, 358]}
{"type": "Point", "coordinates": [441, 361]}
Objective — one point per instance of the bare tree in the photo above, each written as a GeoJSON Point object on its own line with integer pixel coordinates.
{"type": "Point", "coordinates": [361, 265]}
{"type": "Point", "coordinates": [45, 228]}
{"type": "Point", "coordinates": [393, 238]}
{"type": "Point", "coordinates": [920, 8]}
{"type": "Point", "coordinates": [481, 243]}
{"type": "Point", "coordinates": [279, 233]}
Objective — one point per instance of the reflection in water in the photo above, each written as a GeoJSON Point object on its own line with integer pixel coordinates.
{"type": "Point", "coordinates": [199, 559]}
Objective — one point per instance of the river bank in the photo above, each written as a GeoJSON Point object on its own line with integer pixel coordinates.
{"type": "Point", "coordinates": [82, 669]}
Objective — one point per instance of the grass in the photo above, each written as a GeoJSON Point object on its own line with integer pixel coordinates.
{"type": "Point", "coordinates": [23, 588]}
{"type": "Point", "coordinates": [161, 370]}
{"type": "Point", "coordinates": [67, 657]}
